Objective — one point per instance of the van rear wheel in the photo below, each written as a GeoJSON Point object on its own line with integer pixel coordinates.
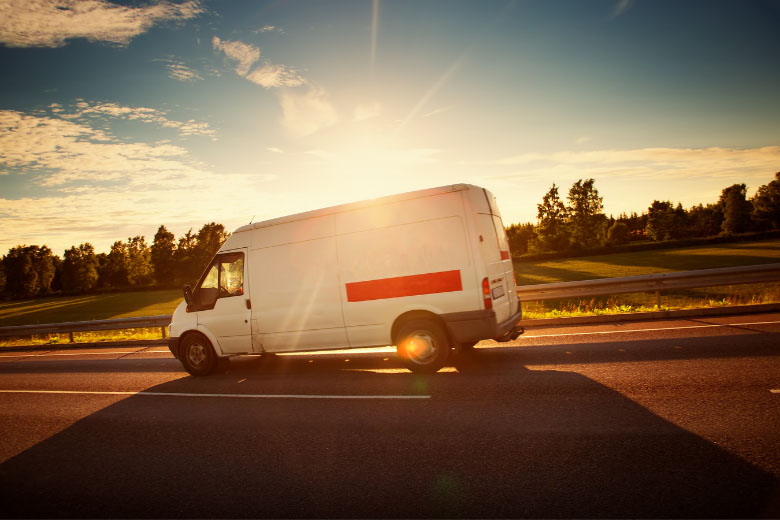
{"type": "Point", "coordinates": [423, 345]}
{"type": "Point", "coordinates": [197, 355]}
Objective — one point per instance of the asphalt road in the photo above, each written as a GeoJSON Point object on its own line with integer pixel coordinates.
{"type": "Point", "coordinates": [678, 418]}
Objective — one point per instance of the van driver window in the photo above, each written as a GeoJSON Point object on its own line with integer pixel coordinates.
{"type": "Point", "coordinates": [231, 275]}
{"type": "Point", "coordinates": [226, 274]}
{"type": "Point", "coordinates": [210, 280]}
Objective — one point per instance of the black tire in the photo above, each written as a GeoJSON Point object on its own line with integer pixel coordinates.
{"type": "Point", "coordinates": [423, 345]}
{"type": "Point", "coordinates": [197, 355]}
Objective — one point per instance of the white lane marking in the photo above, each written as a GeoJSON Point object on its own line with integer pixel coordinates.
{"type": "Point", "coordinates": [775, 390]}
{"type": "Point", "coordinates": [627, 331]}
{"type": "Point", "coordinates": [47, 354]}
{"type": "Point", "coordinates": [236, 396]}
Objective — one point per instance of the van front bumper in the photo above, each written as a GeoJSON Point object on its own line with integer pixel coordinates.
{"type": "Point", "coordinates": [173, 346]}
{"type": "Point", "coordinates": [472, 326]}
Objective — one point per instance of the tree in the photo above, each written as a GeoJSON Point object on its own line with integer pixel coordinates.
{"type": "Point", "coordinates": [636, 224]}
{"type": "Point", "coordinates": [736, 209]}
{"type": "Point", "coordinates": [208, 241]}
{"type": "Point", "coordinates": [659, 220]}
{"type": "Point", "coordinates": [618, 234]}
{"type": "Point", "coordinates": [116, 268]}
{"type": "Point", "coordinates": [186, 270]}
{"type": "Point", "coordinates": [588, 222]}
{"type": "Point", "coordinates": [705, 221]}
{"type": "Point", "coordinates": [29, 271]}
{"type": "Point", "coordinates": [552, 216]}
{"type": "Point", "coordinates": [679, 223]}
{"type": "Point", "coordinates": [520, 237]}
{"type": "Point", "coordinates": [139, 264]}
{"type": "Point", "coordinates": [102, 269]}
{"type": "Point", "coordinates": [766, 205]}
{"type": "Point", "coordinates": [162, 256]}
{"type": "Point", "coordinates": [79, 268]}
{"type": "Point", "coordinates": [2, 278]}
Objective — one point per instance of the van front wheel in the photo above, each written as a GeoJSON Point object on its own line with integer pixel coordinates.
{"type": "Point", "coordinates": [197, 355]}
{"type": "Point", "coordinates": [423, 346]}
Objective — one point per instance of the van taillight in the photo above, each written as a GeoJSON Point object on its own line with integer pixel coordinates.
{"type": "Point", "coordinates": [514, 277]}
{"type": "Point", "coordinates": [486, 294]}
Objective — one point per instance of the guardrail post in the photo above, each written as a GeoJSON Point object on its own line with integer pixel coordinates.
{"type": "Point", "coordinates": [70, 336]}
{"type": "Point", "coordinates": [162, 330]}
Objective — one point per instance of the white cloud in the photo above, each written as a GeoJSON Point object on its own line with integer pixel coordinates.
{"type": "Point", "coordinates": [366, 111]}
{"type": "Point", "coordinates": [709, 162]}
{"type": "Point", "coordinates": [63, 152]}
{"type": "Point", "coordinates": [179, 71]}
{"type": "Point", "coordinates": [266, 28]}
{"type": "Point", "coordinates": [274, 149]}
{"type": "Point", "coordinates": [99, 188]}
{"type": "Point", "coordinates": [45, 23]}
{"type": "Point", "coordinates": [85, 109]}
{"type": "Point", "coordinates": [304, 113]}
{"type": "Point", "coordinates": [271, 75]}
{"type": "Point", "coordinates": [243, 53]}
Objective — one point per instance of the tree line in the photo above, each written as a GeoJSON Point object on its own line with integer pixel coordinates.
{"type": "Point", "coordinates": [579, 223]}
{"type": "Point", "coordinates": [28, 271]}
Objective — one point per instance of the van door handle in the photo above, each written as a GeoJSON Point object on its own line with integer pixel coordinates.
{"type": "Point", "coordinates": [248, 303]}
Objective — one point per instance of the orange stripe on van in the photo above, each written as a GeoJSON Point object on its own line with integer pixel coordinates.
{"type": "Point", "coordinates": [504, 255]}
{"type": "Point", "coordinates": [414, 285]}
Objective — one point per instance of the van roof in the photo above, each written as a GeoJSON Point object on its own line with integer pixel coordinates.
{"type": "Point", "coordinates": [341, 208]}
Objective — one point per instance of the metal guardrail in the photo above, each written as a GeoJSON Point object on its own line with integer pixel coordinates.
{"type": "Point", "coordinates": [70, 327]}
{"type": "Point", "coordinates": [548, 291]}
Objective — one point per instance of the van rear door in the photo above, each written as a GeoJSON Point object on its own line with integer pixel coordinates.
{"type": "Point", "coordinates": [494, 249]}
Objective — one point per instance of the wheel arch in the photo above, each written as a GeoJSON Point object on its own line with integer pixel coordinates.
{"type": "Point", "coordinates": [418, 314]}
{"type": "Point", "coordinates": [206, 334]}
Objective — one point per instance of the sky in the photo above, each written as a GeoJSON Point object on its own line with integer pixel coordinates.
{"type": "Point", "coordinates": [116, 117]}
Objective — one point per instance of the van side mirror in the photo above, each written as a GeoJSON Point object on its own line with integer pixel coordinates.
{"type": "Point", "coordinates": [188, 294]}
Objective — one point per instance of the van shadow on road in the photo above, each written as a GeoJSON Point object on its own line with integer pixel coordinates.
{"type": "Point", "coordinates": [497, 441]}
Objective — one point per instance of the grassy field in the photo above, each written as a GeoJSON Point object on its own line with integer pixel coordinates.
{"type": "Point", "coordinates": [650, 262]}
{"type": "Point", "coordinates": [89, 307]}
{"type": "Point", "coordinates": [153, 303]}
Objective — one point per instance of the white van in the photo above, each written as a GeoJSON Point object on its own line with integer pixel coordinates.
{"type": "Point", "coordinates": [427, 271]}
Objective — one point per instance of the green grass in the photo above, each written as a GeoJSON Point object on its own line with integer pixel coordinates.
{"type": "Point", "coordinates": [84, 308]}
{"type": "Point", "coordinates": [650, 262]}
{"type": "Point", "coordinates": [84, 337]}
{"type": "Point", "coordinates": [89, 307]}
